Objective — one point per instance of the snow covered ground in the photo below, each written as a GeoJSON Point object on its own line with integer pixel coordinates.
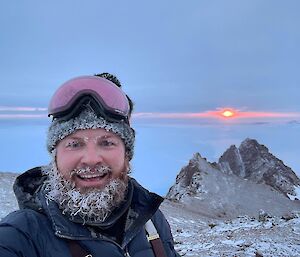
{"type": "Point", "coordinates": [7, 199]}
{"type": "Point", "coordinates": [198, 234]}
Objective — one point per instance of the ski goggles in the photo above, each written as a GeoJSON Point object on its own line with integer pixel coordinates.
{"type": "Point", "coordinates": [99, 94]}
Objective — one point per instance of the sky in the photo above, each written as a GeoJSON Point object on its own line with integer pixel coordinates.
{"type": "Point", "coordinates": [182, 63]}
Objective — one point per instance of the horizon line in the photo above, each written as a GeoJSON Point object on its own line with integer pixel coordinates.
{"type": "Point", "coordinates": [27, 112]}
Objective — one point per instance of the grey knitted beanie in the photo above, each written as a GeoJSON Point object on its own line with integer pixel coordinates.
{"type": "Point", "coordinates": [87, 119]}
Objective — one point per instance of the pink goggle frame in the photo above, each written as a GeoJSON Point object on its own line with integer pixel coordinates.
{"type": "Point", "coordinates": [111, 101]}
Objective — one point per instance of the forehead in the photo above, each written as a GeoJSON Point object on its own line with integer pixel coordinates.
{"type": "Point", "coordinates": [99, 132]}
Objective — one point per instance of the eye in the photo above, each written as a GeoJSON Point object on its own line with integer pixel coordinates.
{"type": "Point", "coordinates": [73, 144]}
{"type": "Point", "coordinates": [108, 142]}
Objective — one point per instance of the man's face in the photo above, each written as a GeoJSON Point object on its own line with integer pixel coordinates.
{"type": "Point", "coordinates": [91, 158]}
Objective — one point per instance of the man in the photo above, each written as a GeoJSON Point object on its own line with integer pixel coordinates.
{"type": "Point", "coordinates": [84, 203]}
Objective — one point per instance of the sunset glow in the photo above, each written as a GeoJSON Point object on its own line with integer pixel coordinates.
{"type": "Point", "coordinates": [220, 113]}
{"type": "Point", "coordinates": [228, 113]}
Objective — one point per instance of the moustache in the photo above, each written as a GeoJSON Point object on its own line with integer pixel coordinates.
{"type": "Point", "coordinates": [97, 170]}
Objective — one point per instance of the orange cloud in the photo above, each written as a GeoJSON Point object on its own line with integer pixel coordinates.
{"type": "Point", "coordinates": [224, 113]}
{"type": "Point", "coordinates": [237, 114]}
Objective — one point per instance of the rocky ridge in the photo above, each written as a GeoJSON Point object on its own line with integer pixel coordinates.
{"type": "Point", "coordinates": [247, 181]}
{"type": "Point", "coordinates": [253, 161]}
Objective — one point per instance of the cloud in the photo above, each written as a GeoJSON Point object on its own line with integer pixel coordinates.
{"type": "Point", "coordinates": [218, 114]}
{"type": "Point", "coordinates": [294, 122]}
{"type": "Point", "coordinates": [22, 112]}
{"type": "Point", "coordinates": [215, 117]}
{"type": "Point", "coordinates": [22, 109]}
{"type": "Point", "coordinates": [157, 115]}
{"type": "Point", "coordinates": [22, 116]}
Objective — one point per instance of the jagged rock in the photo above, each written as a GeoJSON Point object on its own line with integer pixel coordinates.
{"type": "Point", "coordinates": [253, 161]}
{"type": "Point", "coordinates": [235, 164]}
{"type": "Point", "coordinates": [290, 216]}
{"type": "Point", "coordinates": [263, 216]}
{"type": "Point", "coordinates": [188, 180]}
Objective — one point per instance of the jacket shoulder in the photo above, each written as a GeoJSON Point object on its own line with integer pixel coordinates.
{"type": "Point", "coordinates": [29, 233]}
{"type": "Point", "coordinates": [19, 233]}
{"type": "Point", "coordinates": [24, 220]}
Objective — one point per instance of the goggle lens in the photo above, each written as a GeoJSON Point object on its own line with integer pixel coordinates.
{"type": "Point", "coordinates": [107, 94]}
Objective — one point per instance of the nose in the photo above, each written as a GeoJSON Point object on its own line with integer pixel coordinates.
{"type": "Point", "coordinates": [91, 155]}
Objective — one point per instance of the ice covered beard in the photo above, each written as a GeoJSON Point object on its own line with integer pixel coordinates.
{"type": "Point", "coordinates": [93, 205]}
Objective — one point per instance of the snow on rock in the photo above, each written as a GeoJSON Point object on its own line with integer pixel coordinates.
{"type": "Point", "coordinates": [296, 196]}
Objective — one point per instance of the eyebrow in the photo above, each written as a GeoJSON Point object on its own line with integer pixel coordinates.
{"type": "Point", "coordinates": [73, 137]}
{"type": "Point", "coordinates": [109, 136]}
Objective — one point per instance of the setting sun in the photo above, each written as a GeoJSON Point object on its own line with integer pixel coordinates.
{"type": "Point", "coordinates": [227, 113]}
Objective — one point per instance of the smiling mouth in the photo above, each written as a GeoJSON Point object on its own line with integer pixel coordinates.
{"type": "Point", "coordinates": [92, 176]}
{"type": "Point", "coordinates": [89, 174]}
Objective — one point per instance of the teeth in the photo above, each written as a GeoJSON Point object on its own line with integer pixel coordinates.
{"type": "Point", "coordinates": [87, 176]}
{"type": "Point", "coordinates": [91, 173]}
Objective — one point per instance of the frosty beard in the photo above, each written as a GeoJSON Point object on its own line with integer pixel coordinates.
{"type": "Point", "coordinates": [91, 206]}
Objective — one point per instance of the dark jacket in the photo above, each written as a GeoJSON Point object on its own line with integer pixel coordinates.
{"type": "Point", "coordinates": [39, 229]}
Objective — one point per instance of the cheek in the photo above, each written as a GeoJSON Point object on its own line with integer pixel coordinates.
{"type": "Point", "coordinates": [118, 163]}
{"type": "Point", "coordinates": [65, 163]}
{"type": "Point", "coordinates": [124, 169]}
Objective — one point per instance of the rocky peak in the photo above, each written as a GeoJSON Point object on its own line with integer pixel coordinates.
{"type": "Point", "coordinates": [189, 177]}
{"type": "Point", "coordinates": [254, 156]}
{"type": "Point", "coordinates": [195, 159]}
{"type": "Point", "coordinates": [231, 162]}
{"type": "Point", "coordinates": [186, 174]}
{"type": "Point", "coordinates": [253, 161]}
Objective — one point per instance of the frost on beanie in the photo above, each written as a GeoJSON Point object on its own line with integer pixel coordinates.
{"type": "Point", "coordinates": [87, 119]}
